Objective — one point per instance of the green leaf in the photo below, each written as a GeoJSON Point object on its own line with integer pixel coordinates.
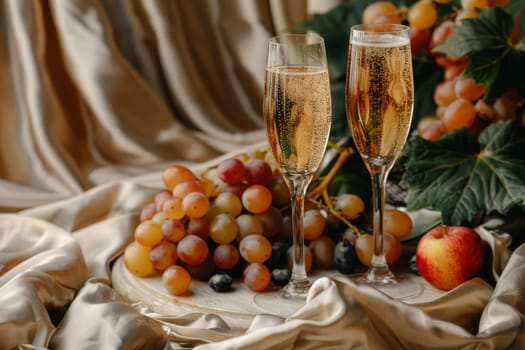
{"type": "Point", "coordinates": [427, 75]}
{"type": "Point", "coordinates": [493, 59]}
{"type": "Point", "coordinates": [490, 31]}
{"type": "Point", "coordinates": [484, 67]}
{"type": "Point", "coordinates": [514, 7]}
{"type": "Point", "coordinates": [462, 178]}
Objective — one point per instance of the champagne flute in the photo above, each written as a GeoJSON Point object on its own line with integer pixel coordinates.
{"type": "Point", "coordinates": [379, 105]}
{"type": "Point", "coordinates": [297, 113]}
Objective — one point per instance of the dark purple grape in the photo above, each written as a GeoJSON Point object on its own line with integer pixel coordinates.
{"type": "Point", "coordinates": [345, 257]}
{"type": "Point", "coordinates": [278, 258]}
{"type": "Point", "coordinates": [220, 282]}
{"type": "Point", "coordinates": [281, 276]}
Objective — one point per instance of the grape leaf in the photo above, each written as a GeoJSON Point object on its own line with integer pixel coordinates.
{"type": "Point", "coordinates": [493, 59]}
{"type": "Point", "coordinates": [489, 31]}
{"type": "Point", "coordinates": [515, 7]}
{"type": "Point", "coordinates": [461, 178]}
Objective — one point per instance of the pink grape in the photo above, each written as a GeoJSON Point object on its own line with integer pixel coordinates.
{"type": "Point", "coordinates": [258, 171]}
{"type": "Point", "coordinates": [148, 211]}
{"type": "Point", "coordinates": [231, 171]}
{"type": "Point", "coordinates": [163, 255]}
{"type": "Point", "coordinates": [204, 270]}
{"type": "Point", "coordinates": [172, 230]}
{"type": "Point", "coordinates": [192, 250]}
{"type": "Point", "coordinates": [257, 277]}
{"type": "Point", "coordinates": [226, 256]}
{"type": "Point", "coordinates": [272, 221]}
{"type": "Point", "coordinates": [237, 189]}
{"type": "Point", "coordinates": [199, 227]}
{"type": "Point", "coordinates": [160, 197]}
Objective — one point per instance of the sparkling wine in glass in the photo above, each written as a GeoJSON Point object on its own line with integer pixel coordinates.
{"type": "Point", "coordinates": [297, 113]}
{"type": "Point", "coordinates": [379, 104]}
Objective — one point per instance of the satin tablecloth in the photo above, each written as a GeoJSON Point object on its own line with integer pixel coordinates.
{"type": "Point", "coordinates": [56, 293]}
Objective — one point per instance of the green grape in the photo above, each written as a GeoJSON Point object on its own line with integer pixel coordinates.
{"type": "Point", "coordinates": [248, 224]}
{"type": "Point", "coordinates": [229, 202]}
{"type": "Point", "coordinates": [223, 228]}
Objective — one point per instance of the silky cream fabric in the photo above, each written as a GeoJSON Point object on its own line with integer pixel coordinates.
{"type": "Point", "coordinates": [56, 293]}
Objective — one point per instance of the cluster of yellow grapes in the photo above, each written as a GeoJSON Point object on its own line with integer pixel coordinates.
{"type": "Point", "coordinates": [233, 220]}
{"type": "Point", "coordinates": [459, 100]}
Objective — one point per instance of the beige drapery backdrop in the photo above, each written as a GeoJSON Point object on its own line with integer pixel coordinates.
{"type": "Point", "coordinates": [95, 90]}
{"type": "Point", "coordinates": [95, 98]}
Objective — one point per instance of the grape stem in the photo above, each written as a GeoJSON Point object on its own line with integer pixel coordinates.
{"type": "Point", "coordinates": [330, 208]}
{"type": "Point", "coordinates": [344, 154]}
{"type": "Point", "coordinates": [322, 188]}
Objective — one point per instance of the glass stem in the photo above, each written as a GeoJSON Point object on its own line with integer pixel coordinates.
{"type": "Point", "coordinates": [379, 270]}
{"type": "Point", "coordinates": [298, 183]}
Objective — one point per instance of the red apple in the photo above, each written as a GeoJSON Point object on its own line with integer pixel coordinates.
{"type": "Point", "coordinates": [446, 256]}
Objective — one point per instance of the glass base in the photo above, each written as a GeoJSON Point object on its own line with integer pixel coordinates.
{"type": "Point", "coordinates": [296, 289]}
{"type": "Point", "coordinates": [379, 276]}
{"type": "Point", "coordinates": [404, 287]}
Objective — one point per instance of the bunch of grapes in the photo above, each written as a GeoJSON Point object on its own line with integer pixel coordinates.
{"type": "Point", "coordinates": [233, 221]}
{"type": "Point", "coordinates": [459, 100]}
{"type": "Point", "coordinates": [198, 225]}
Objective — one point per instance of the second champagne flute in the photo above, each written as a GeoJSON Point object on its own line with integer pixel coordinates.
{"type": "Point", "coordinates": [379, 104]}
{"type": "Point", "coordinates": [297, 113]}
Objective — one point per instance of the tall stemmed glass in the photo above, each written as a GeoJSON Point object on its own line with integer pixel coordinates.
{"type": "Point", "coordinates": [297, 113]}
{"type": "Point", "coordinates": [379, 104]}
